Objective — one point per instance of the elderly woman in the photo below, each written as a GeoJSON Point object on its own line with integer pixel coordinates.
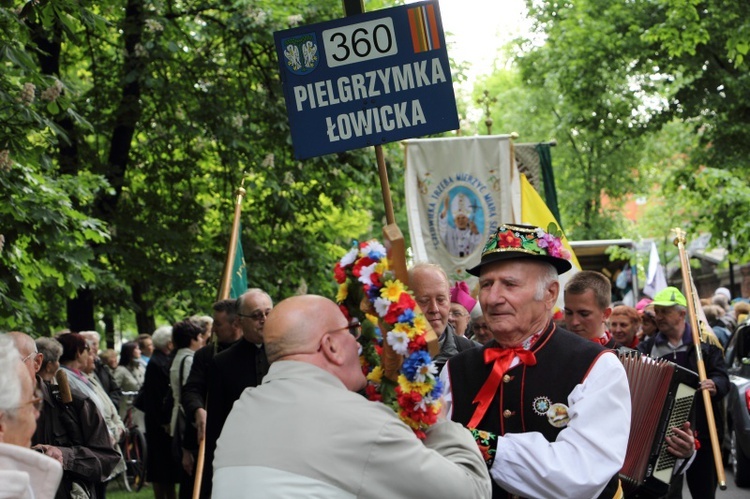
{"type": "Point", "coordinates": [78, 361]}
{"type": "Point", "coordinates": [51, 350]}
{"type": "Point", "coordinates": [24, 473]}
{"type": "Point", "coordinates": [624, 324]}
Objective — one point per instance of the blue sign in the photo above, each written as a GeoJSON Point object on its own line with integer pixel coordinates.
{"type": "Point", "coordinates": [369, 79]}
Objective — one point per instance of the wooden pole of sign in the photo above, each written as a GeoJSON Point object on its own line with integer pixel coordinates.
{"type": "Point", "coordinates": [394, 238]}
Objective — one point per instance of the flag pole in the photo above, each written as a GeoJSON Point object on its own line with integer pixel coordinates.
{"type": "Point", "coordinates": [687, 280]}
{"type": "Point", "coordinates": [224, 290]}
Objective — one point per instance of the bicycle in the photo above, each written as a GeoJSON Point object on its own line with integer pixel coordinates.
{"type": "Point", "coordinates": [133, 446]}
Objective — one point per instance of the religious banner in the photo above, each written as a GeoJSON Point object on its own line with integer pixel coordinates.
{"type": "Point", "coordinates": [458, 191]}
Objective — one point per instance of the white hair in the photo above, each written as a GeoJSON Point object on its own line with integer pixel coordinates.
{"type": "Point", "coordinates": [10, 382]}
{"type": "Point", "coordinates": [161, 337]}
{"type": "Point", "coordinates": [548, 276]}
{"type": "Point", "coordinates": [91, 335]}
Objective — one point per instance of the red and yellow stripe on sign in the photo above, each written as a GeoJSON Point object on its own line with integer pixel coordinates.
{"type": "Point", "coordinates": [424, 29]}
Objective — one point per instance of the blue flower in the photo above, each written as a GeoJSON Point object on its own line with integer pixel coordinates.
{"type": "Point", "coordinates": [407, 317]}
{"type": "Point", "coordinates": [413, 363]}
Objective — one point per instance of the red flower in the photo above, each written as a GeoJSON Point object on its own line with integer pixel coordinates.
{"type": "Point", "coordinates": [418, 343]}
{"type": "Point", "coordinates": [405, 302]}
{"type": "Point", "coordinates": [362, 262]}
{"type": "Point", "coordinates": [339, 274]}
{"type": "Point", "coordinates": [345, 311]}
{"type": "Point", "coordinates": [372, 393]}
{"type": "Point", "coordinates": [508, 240]}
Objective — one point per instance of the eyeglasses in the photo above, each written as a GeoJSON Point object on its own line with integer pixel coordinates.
{"type": "Point", "coordinates": [456, 313]}
{"type": "Point", "coordinates": [354, 327]}
{"type": "Point", "coordinates": [28, 357]}
{"type": "Point", "coordinates": [257, 315]}
{"type": "Point", "coordinates": [36, 402]}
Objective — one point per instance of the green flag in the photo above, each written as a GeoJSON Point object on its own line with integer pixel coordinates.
{"type": "Point", "coordinates": [239, 269]}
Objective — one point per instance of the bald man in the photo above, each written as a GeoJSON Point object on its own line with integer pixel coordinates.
{"type": "Point", "coordinates": [306, 432]}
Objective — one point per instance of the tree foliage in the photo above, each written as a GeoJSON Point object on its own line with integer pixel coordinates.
{"type": "Point", "coordinates": [163, 108]}
{"type": "Point", "coordinates": [606, 77]}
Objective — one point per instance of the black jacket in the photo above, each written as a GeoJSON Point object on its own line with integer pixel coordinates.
{"type": "Point", "coordinates": [81, 434]}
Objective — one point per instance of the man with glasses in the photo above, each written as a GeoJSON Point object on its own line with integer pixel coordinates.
{"type": "Point", "coordinates": [432, 292]}
{"type": "Point", "coordinates": [306, 432]}
{"type": "Point", "coordinates": [242, 365]}
{"type": "Point", "coordinates": [23, 473]}
{"type": "Point", "coordinates": [69, 429]}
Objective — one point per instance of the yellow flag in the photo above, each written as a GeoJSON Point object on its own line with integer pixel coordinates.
{"type": "Point", "coordinates": [535, 212]}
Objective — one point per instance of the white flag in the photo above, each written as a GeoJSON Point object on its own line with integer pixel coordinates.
{"type": "Point", "coordinates": [458, 191]}
{"type": "Point", "coordinates": [655, 280]}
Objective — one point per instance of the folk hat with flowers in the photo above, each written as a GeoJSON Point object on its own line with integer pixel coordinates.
{"type": "Point", "coordinates": [515, 241]}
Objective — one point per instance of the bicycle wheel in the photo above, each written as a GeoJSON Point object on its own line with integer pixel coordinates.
{"type": "Point", "coordinates": [135, 458]}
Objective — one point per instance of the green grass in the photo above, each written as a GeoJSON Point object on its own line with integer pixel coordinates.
{"type": "Point", "coordinates": [116, 490]}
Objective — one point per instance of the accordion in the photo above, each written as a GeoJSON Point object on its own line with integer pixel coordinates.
{"type": "Point", "coordinates": [662, 395]}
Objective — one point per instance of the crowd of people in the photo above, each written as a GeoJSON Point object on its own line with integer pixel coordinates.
{"type": "Point", "coordinates": [534, 404]}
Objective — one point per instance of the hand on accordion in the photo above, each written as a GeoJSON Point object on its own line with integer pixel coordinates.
{"type": "Point", "coordinates": [681, 443]}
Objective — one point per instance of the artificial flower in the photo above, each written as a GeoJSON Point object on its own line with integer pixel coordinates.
{"type": "Point", "coordinates": [399, 341]}
{"type": "Point", "coordinates": [416, 393]}
{"type": "Point", "coordinates": [342, 293]}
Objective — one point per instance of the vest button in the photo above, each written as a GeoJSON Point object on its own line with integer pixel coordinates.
{"type": "Point", "coordinates": [507, 378]}
{"type": "Point", "coordinates": [507, 413]}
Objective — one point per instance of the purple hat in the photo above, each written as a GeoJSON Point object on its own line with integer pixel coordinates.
{"type": "Point", "coordinates": [642, 304]}
{"type": "Point", "coordinates": [460, 294]}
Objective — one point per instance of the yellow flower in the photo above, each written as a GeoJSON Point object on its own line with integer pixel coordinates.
{"type": "Point", "coordinates": [413, 332]}
{"type": "Point", "coordinates": [382, 266]}
{"type": "Point", "coordinates": [392, 290]}
{"type": "Point", "coordinates": [343, 292]}
{"type": "Point", "coordinates": [420, 323]}
{"type": "Point", "coordinates": [402, 327]}
{"type": "Point", "coordinates": [376, 375]}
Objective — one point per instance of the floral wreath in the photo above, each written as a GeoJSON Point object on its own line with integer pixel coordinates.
{"type": "Point", "coordinates": [369, 291]}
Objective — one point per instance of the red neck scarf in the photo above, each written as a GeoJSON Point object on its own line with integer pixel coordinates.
{"type": "Point", "coordinates": [502, 358]}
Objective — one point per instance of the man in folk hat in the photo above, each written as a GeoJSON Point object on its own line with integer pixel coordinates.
{"type": "Point", "coordinates": [674, 341]}
{"type": "Point", "coordinates": [550, 410]}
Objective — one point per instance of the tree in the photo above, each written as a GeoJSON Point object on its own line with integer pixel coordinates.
{"type": "Point", "coordinates": [613, 73]}
{"type": "Point", "coordinates": [176, 103]}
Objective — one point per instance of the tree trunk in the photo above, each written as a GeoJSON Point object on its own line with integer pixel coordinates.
{"type": "Point", "coordinates": [80, 311]}
{"type": "Point", "coordinates": [144, 319]}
